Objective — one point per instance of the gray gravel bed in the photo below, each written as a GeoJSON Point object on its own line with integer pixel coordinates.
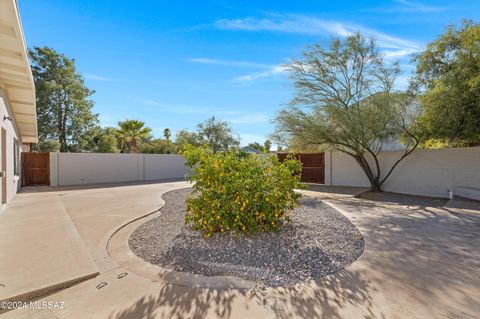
{"type": "Point", "coordinates": [319, 241]}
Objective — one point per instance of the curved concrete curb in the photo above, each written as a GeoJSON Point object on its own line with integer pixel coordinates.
{"type": "Point", "coordinates": [119, 250]}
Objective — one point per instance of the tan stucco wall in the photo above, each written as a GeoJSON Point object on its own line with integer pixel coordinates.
{"type": "Point", "coordinates": [425, 172]}
{"type": "Point", "coordinates": [13, 182]}
{"type": "Point", "coordinates": [93, 168]}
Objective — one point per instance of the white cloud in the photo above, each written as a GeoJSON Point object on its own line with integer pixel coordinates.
{"type": "Point", "coordinates": [410, 6]}
{"type": "Point", "coordinates": [95, 77]}
{"type": "Point", "coordinates": [397, 54]}
{"type": "Point", "coordinates": [272, 72]}
{"type": "Point", "coordinates": [235, 63]}
{"type": "Point", "coordinates": [284, 23]}
{"type": "Point", "coordinates": [308, 25]}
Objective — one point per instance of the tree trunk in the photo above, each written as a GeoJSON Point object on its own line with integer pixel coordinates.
{"type": "Point", "coordinates": [375, 185]}
{"type": "Point", "coordinates": [133, 145]}
{"type": "Point", "coordinates": [376, 181]}
{"type": "Point", "coordinates": [62, 125]}
{"type": "Point", "coordinates": [62, 136]}
{"type": "Point", "coordinates": [376, 188]}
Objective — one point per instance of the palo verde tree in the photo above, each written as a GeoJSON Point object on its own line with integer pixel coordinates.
{"type": "Point", "coordinates": [449, 73]}
{"type": "Point", "coordinates": [345, 100]}
{"type": "Point", "coordinates": [63, 105]}
{"type": "Point", "coordinates": [130, 133]}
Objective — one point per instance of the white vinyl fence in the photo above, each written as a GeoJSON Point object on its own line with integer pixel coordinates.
{"type": "Point", "coordinates": [432, 172]}
{"type": "Point", "coordinates": [92, 168]}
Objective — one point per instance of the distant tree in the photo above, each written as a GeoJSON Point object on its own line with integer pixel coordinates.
{"type": "Point", "coordinates": [64, 110]}
{"type": "Point", "coordinates": [167, 134]}
{"type": "Point", "coordinates": [256, 146]}
{"type": "Point", "coordinates": [46, 146]}
{"type": "Point", "coordinates": [130, 133]}
{"type": "Point", "coordinates": [184, 137]}
{"type": "Point", "coordinates": [449, 71]}
{"type": "Point", "coordinates": [100, 140]}
{"type": "Point", "coordinates": [217, 134]}
{"type": "Point", "coordinates": [158, 146]}
{"type": "Point", "coordinates": [107, 143]}
{"type": "Point", "coordinates": [267, 145]}
{"type": "Point", "coordinates": [345, 100]}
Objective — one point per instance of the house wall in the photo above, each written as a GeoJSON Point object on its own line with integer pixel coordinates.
{"type": "Point", "coordinates": [93, 168]}
{"type": "Point", "coordinates": [425, 172]}
{"type": "Point", "coordinates": [12, 181]}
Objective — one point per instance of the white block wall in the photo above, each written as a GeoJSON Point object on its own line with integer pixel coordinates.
{"type": "Point", "coordinates": [164, 166]}
{"type": "Point", "coordinates": [93, 168]}
{"type": "Point", "coordinates": [13, 181]}
{"type": "Point", "coordinates": [425, 172]}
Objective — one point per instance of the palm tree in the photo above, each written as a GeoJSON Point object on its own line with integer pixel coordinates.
{"type": "Point", "coordinates": [167, 133]}
{"type": "Point", "coordinates": [130, 132]}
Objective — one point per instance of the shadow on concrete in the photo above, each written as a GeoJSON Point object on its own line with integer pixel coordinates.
{"type": "Point", "coordinates": [431, 253]}
{"type": "Point", "coordinates": [418, 259]}
{"type": "Point", "coordinates": [323, 299]}
{"type": "Point", "coordinates": [411, 201]}
{"type": "Point", "coordinates": [343, 190]}
{"type": "Point", "coordinates": [47, 189]}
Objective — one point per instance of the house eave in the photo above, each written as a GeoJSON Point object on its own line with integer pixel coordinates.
{"type": "Point", "coordinates": [15, 74]}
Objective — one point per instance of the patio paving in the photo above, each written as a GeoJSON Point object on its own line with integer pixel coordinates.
{"type": "Point", "coordinates": [419, 262]}
{"type": "Point", "coordinates": [40, 248]}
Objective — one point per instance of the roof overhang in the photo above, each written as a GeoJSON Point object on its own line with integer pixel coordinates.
{"type": "Point", "coordinates": [15, 73]}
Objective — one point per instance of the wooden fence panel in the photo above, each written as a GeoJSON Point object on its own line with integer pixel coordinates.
{"type": "Point", "coordinates": [35, 169]}
{"type": "Point", "coordinates": [313, 170]}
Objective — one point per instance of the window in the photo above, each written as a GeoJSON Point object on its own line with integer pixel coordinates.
{"type": "Point", "coordinates": [16, 155]}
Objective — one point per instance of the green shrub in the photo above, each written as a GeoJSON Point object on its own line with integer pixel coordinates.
{"type": "Point", "coordinates": [239, 192]}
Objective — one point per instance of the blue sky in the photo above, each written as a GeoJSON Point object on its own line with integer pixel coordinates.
{"type": "Point", "coordinates": [176, 63]}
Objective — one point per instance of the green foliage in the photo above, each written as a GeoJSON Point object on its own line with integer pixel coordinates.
{"type": "Point", "coordinates": [267, 145]}
{"type": "Point", "coordinates": [185, 137]}
{"type": "Point", "coordinates": [167, 134]}
{"type": "Point", "coordinates": [46, 146]}
{"type": "Point", "coordinates": [256, 146]}
{"type": "Point", "coordinates": [63, 105]}
{"type": "Point", "coordinates": [158, 146]}
{"type": "Point", "coordinates": [100, 140]}
{"type": "Point", "coordinates": [449, 70]}
{"type": "Point", "coordinates": [130, 134]}
{"type": "Point", "coordinates": [345, 100]}
{"type": "Point", "coordinates": [238, 192]}
{"type": "Point", "coordinates": [217, 134]}
{"type": "Point", "coordinates": [107, 143]}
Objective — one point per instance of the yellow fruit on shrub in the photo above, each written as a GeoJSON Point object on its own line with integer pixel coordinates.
{"type": "Point", "coordinates": [240, 193]}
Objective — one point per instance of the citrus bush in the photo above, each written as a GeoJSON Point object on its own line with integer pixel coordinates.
{"type": "Point", "coordinates": [239, 192]}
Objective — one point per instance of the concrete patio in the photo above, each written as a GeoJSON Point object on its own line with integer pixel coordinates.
{"type": "Point", "coordinates": [419, 261]}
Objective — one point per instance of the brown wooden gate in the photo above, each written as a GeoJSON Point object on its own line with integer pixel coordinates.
{"type": "Point", "coordinates": [313, 170]}
{"type": "Point", "coordinates": [35, 169]}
